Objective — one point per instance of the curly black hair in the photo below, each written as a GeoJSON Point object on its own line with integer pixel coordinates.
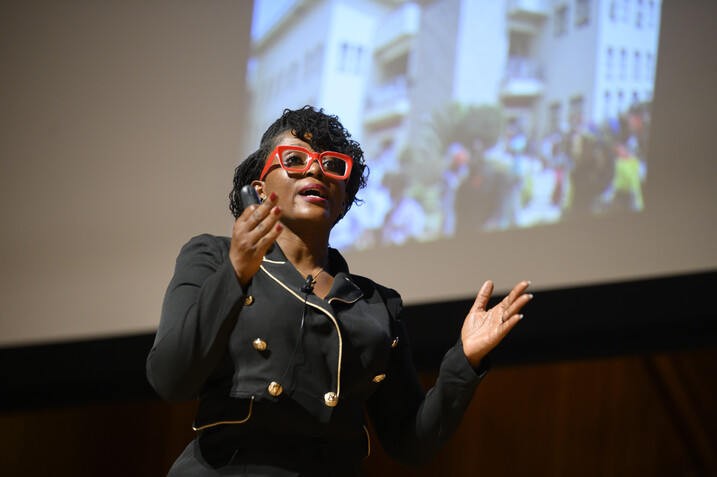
{"type": "Point", "coordinates": [326, 133]}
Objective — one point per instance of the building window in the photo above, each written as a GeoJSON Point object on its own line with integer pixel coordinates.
{"type": "Point", "coordinates": [626, 11]}
{"type": "Point", "coordinates": [606, 105]}
{"type": "Point", "coordinates": [637, 66]}
{"type": "Point", "coordinates": [648, 66]}
{"type": "Point", "coordinates": [554, 113]}
{"type": "Point", "coordinates": [358, 57]}
{"type": "Point", "coordinates": [623, 63]}
{"type": "Point", "coordinates": [350, 58]}
{"type": "Point", "coordinates": [561, 20]}
{"type": "Point", "coordinates": [639, 14]}
{"type": "Point", "coordinates": [612, 10]}
{"type": "Point", "coordinates": [582, 12]}
{"type": "Point", "coordinates": [577, 104]}
{"type": "Point", "coordinates": [313, 60]}
{"type": "Point", "coordinates": [343, 56]}
{"type": "Point", "coordinates": [651, 14]}
{"type": "Point", "coordinates": [620, 102]}
{"type": "Point", "coordinates": [609, 61]}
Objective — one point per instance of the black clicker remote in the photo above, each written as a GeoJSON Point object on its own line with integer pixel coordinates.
{"type": "Point", "coordinates": [249, 196]}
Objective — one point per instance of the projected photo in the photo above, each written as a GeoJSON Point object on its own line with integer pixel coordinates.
{"type": "Point", "coordinates": [474, 115]}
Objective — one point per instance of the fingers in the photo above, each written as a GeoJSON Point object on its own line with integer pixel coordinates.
{"type": "Point", "coordinates": [258, 223]}
{"type": "Point", "coordinates": [270, 237]}
{"type": "Point", "coordinates": [483, 296]}
{"type": "Point", "coordinates": [255, 214]}
{"type": "Point", "coordinates": [254, 231]}
{"type": "Point", "coordinates": [509, 323]}
{"type": "Point", "coordinates": [483, 330]}
{"type": "Point", "coordinates": [515, 301]}
{"type": "Point", "coordinates": [262, 221]}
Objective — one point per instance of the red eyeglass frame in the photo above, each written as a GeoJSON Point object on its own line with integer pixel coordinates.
{"type": "Point", "coordinates": [279, 150]}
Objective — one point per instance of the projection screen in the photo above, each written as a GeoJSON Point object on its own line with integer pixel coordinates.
{"type": "Point", "coordinates": [565, 142]}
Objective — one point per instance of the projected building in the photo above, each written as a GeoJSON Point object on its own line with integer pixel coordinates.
{"type": "Point", "coordinates": [314, 52]}
{"type": "Point", "coordinates": [392, 70]}
{"type": "Point", "coordinates": [384, 65]}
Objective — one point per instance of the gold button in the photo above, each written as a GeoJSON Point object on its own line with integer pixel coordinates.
{"type": "Point", "coordinates": [378, 378]}
{"type": "Point", "coordinates": [395, 342]}
{"type": "Point", "coordinates": [330, 399]}
{"type": "Point", "coordinates": [275, 388]}
{"type": "Point", "coordinates": [259, 344]}
{"type": "Point", "coordinates": [248, 300]}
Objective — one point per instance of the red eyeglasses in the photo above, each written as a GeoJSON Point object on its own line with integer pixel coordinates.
{"type": "Point", "coordinates": [298, 159]}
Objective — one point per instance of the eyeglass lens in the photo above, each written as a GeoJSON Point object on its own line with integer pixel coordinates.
{"type": "Point", "coordinates": [297, 160]}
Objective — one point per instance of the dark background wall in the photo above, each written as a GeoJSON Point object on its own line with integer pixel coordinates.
{"type": "Point", "coordinates": [573, 392]}
{"type": "Point", "coordinates": [635, 415]}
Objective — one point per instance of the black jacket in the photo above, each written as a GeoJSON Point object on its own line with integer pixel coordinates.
{"type": "Point", "coordinates": [274, 367]}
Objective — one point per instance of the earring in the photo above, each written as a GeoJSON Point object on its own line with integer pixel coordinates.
{"type": "Point", "coordinates": [263, 197]}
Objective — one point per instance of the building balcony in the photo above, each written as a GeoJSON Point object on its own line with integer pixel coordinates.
{"type": "Point", "coordinates": [528, 10]}
{"type": "Point", "coordinates": [386, 114]}
{"type": "Point", "coordinates": [395, 33]}
{"type": "Point", "coordinates": [516, 88]}
{"type": "Point", "coordinates": [387, 104]}
{"type": "Point", "coordinates": [522, 79]}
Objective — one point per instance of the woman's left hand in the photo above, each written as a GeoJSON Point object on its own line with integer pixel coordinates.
{"type": "Point", "coordinates": [483, 330]}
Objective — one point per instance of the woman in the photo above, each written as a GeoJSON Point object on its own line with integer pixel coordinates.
{"type": "Point", "coordinates": [286, 350]}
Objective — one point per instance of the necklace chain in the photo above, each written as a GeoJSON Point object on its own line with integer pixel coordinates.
{"type": "Point", "coordinates": [313, 278]}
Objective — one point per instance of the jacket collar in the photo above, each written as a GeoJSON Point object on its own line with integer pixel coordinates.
{"type": "Point", "coordinates": [344, 288]}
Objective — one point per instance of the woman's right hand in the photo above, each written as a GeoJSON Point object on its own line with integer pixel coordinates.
{"type": "Point", "coordinates": [256, 229]}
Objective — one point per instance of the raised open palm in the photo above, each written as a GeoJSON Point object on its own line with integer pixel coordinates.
{"type": "Point", "coordinates": [484, 329]}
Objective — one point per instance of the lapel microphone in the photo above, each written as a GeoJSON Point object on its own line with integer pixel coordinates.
{"type": "Point", "coordinates": [308, 287]}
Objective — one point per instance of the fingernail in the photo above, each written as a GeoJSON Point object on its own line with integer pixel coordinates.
{"type": "Point", "coordinates": [276, 210]}
{"type": "Point", "coordinates": [531, 296]}
{"type": "Point", "coordinates": [272, 196]}
{"type": "Point", "coordinates": [520, 317]}
{"type": "Point", "coordinates": [279, 227]}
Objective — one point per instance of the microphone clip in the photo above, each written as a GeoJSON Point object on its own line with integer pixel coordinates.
{"type": "Point", "coordinates": [308, 287]}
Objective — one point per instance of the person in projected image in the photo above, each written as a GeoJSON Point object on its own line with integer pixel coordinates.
{"type": "Point", "coordinates": [288, 351]}
{"type": "Point", "coordinates": [625, 190]}
{"type": "Point", "coordinates": [478, 198]}
{"type": "Point", "coordinates": [405, 221]}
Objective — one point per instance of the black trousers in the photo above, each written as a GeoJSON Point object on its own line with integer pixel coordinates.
{"type": "Point", "coordinates": [234, 451]}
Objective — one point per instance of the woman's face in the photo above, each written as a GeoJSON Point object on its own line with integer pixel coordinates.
{"type": "Point", "coordinates": [307, 196]}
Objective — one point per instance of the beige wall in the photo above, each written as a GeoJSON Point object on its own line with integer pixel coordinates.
{"type": "Point", "coordinates": [119, 136]}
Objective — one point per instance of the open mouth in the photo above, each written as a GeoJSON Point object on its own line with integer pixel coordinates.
{"type": "Point", "coordinates": [311, 192]}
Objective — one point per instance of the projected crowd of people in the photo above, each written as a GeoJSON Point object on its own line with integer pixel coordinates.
{"type": "Point", "coordinates": [508, 181]}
